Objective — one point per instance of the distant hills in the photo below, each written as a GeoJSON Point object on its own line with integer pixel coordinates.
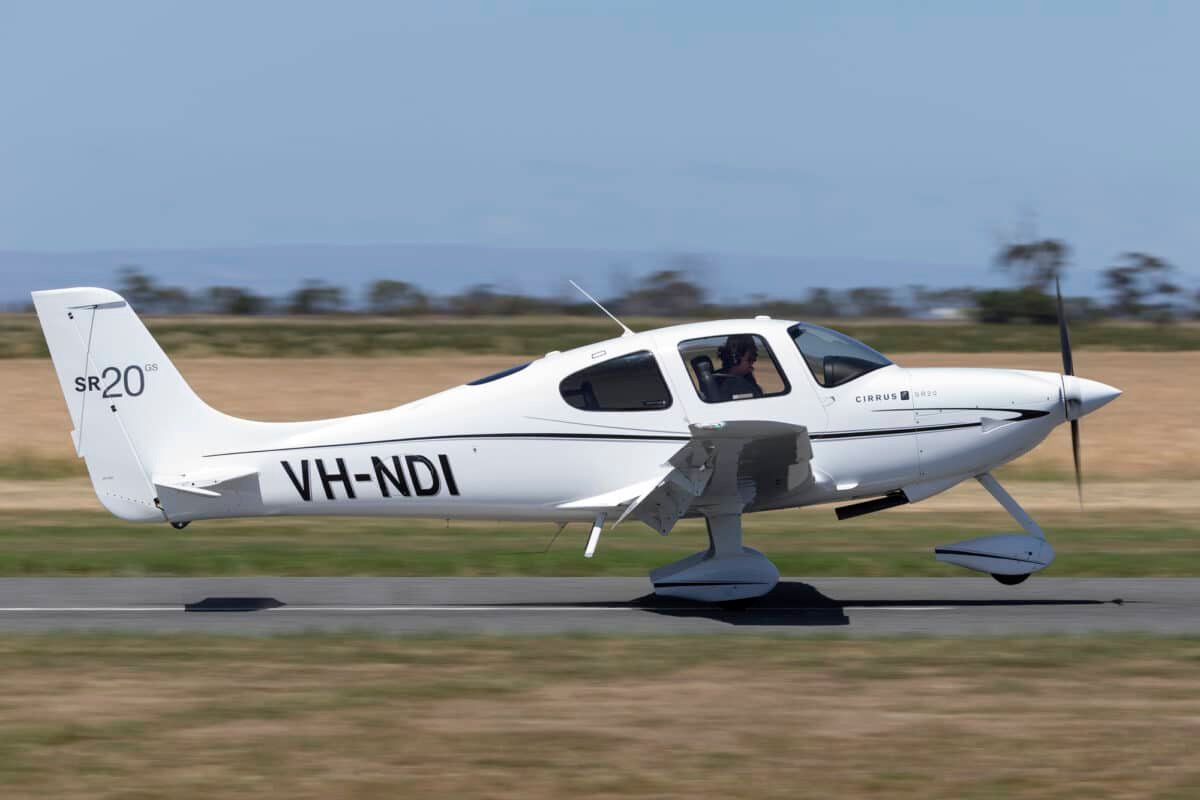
{"type": "Point", "coordinates": [277, 269]}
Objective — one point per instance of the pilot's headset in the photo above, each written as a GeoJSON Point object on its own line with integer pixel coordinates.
{"type": "Point", "coordinates": [734, 348]}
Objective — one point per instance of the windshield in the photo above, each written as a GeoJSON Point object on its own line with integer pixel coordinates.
{"type": "Point", "coordinates": [495, 376]}
{"type": "Point", "coordinates": [832, 357]}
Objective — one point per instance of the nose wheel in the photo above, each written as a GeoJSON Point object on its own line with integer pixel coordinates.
{"type": "Point", "coordinates": [1010, 580]}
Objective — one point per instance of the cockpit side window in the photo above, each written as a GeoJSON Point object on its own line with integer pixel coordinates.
{"type": "Point", "coordinates": [832, 357]}
{"type": "Point", "coordinates": [630, 382]}
{"type": "Point", "coordinates": [740, 366]}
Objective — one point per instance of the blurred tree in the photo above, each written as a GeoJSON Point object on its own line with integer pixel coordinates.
{"type": "Point", "coordinates": [173, 300]}
{"type": "Point", "coordinates": [146, 296]}
{"type": "Point", "coordinates": [1083, 309]}
{"type": "Point", "coordinates": [873, 301]}
{"type": "Point", "coordinates": [821, 303]}
{"type": "Point", "coordinates": [483, 299]}
{"type": "Point", "coordinates": [235, 300]}
{"type": "Point", "coordinates": [1036, 263]}
{"type": "Point", "coordinates": [396, 297]}
{"type": "Point", "coordinates": [1030, 303]}
{"type": "Point", "coordinates": [475, 301]}
{"type": "Point", "coordinates": [137, 287]}
{"type": "Point", "coordinates": [1141, 287]}
{"type": "Point", "coordinates": [668, 292]}
{"type": "Point", "coordinates": [316, 297]}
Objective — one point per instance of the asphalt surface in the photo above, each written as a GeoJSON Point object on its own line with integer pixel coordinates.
{"type": "Point", "coordinates": [854, 606]}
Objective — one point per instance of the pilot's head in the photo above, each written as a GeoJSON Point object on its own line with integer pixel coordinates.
{"type": "Point", "coordinates": [738, 354]}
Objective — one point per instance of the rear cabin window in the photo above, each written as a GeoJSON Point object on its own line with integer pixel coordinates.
{"type": "Point", "coordinates": [736, 367]}
{"type": "Point", "coordinates": [631, 382]}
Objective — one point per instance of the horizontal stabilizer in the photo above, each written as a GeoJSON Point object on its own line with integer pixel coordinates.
{"type": "Point", "coordinates": [205, 483]}
{"type": "Point", "coordinates": [222, 492]}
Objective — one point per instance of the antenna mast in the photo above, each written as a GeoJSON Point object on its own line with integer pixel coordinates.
{"type": "Point", "coordinates": [602, 308]}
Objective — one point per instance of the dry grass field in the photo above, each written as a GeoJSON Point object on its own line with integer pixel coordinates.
{"type": "Point", "coordinates": [87, 716]}
{"type": "Point", "coordinates": [1149, 433]}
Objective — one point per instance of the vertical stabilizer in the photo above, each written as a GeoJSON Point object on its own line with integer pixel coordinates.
{"type": "Point", "coordinates": [129, 406]}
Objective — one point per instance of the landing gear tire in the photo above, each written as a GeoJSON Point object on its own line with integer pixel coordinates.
{"type": "Point", "coordinates": [180, 525]}
{"type": "Point", "coordinates": [1011, 580]}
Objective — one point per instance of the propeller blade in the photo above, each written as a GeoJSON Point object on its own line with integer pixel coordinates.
{"type": "Point", "coordinates": [1064, 337]}
{"type": "Point", "coordinates": [1078, 466]}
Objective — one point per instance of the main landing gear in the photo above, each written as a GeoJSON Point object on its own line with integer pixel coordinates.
{"type": "Point", "coordinates": [727, 573]}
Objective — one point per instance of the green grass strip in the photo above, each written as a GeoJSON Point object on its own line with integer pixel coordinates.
{"type": "Point", "coordinates": [808, 542]}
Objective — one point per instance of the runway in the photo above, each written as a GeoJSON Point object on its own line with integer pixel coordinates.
{"type": "Point", "coordinates": [851, 606]}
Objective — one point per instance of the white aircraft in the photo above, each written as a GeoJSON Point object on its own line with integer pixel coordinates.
{"type": "Point", "coordinates": [712, 419]}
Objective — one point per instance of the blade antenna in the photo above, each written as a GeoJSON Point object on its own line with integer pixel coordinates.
{"type": "Point", "coordinates": [624, 327]}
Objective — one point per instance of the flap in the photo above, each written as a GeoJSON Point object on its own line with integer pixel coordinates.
{"type": "Point", "coordinates": [615, 498]}
{"type": "Point", "coordinates": [726, 463]}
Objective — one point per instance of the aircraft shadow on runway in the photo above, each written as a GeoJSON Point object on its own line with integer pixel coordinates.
{"type": "Point", "coordinates": [790, 603]}
{"type": "Point", "coordinates": [799, 604]}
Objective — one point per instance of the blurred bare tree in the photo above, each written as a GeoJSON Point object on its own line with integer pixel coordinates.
{"type": "Point", "coordinates": [1036, 263]}
{"type": "Point", "coordinates": [146, 296]}
{"type": "Point", "coordinates": [668, 292]}
{"type": "Point", "coordinates": [1141, 287]}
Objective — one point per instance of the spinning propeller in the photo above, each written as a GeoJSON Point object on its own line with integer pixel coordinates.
{"type": "Point", "coordinates": [1069, 370]}
{"type": "Point", "coordinates": [1080, 395]}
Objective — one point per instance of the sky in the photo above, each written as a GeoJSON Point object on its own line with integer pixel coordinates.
{"type": "Point", "coordinates": [919, 133]}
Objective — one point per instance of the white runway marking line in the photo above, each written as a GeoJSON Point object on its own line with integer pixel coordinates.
{"type": "Point", "coordinates": [427, 609]}
{"type": "Point", "coordinates": [139, 609]}
{"type": "Point", "coordinates": [91, 609]}
{"type": "Point", "coordinates": [898, 608]}
{"type": "Point", "coordinates": [452, 608]}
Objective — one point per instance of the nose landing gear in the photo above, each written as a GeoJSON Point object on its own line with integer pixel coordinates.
{"type": "Point", "coordinates": [1010, 558]}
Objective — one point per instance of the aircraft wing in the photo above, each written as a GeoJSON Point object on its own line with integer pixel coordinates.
{"type": "Point", "coordinates": [738, 463]}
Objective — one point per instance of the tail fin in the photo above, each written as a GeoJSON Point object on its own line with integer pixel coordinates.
{"type": "Point", "coordinates": [130, 407]}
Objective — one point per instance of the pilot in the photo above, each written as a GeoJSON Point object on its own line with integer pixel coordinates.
{"type": "Point", "coordinates": [735, 378]}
